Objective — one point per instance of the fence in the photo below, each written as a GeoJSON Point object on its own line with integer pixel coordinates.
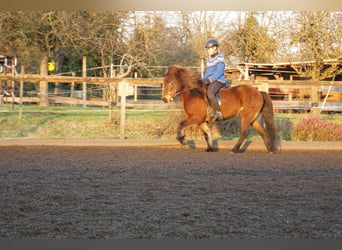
{"type": "Point", "coordinates": [146, 92]}
{"type": "Point", "coordinates": [302, 95]}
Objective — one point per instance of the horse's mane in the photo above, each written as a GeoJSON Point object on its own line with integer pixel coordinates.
{"type": "Point", "coordinates": [187, 75]}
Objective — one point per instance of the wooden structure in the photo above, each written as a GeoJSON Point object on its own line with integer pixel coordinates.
{"type": "Point", "coordinates": [279, 71]}
{"type": "Point", "coordinates": [7, 67]}
{"type": "Point", "coordinates": [331, 96]}
{"type": "Point", "coordinates": [7, 64]}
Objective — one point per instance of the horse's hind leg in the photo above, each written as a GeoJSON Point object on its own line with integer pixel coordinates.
{"type": "Point", "coordinates": [207, 135]}
{"type": "Point", "coordinates": [243, 134]}
{"type": "Point", "coordinates": [261, 131]}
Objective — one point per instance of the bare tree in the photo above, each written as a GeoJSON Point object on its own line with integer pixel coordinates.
{"type": "Point", "coordinates": [198, 27]}
{"type": "Point", "coordinates": [317, 36]}
{"type": "Point", "coordinates": [95, 34]}
{"type": "Point", "coordinates": [250, 42]}
{"type": "Point", "coordinates": [31, 34]}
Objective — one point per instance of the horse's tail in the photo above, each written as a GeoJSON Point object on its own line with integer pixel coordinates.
{"type": "Point", "coordinates": [268, 115]}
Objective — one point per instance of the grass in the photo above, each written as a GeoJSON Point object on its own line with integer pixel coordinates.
{"type": "Point", "coordinates": [60, 122]}
{"type": "Point", "coordinates": [44, 122]}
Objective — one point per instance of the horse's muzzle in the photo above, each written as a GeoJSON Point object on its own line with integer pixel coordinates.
{"type": "Point", "coordinates": [166, 98]}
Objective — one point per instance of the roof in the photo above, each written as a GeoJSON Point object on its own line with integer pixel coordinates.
{"type": "Point", "coordinates": [281, 68]}
{"type": "Point", "coordinates": [327, 61]}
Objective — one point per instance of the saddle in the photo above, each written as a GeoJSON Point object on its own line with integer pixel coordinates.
{"type": "Point", "coordinates": [226, 85]}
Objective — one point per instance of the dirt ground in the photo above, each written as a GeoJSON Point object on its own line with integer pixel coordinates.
{"type": "Point", "coordinates": [136, 192]}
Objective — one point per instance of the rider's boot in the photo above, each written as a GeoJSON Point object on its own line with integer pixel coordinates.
{"type": "Point", "coordinates": [217, 112]}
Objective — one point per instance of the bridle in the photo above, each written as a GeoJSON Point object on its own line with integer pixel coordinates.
{"type": "Point", "coordinates": [172, 90]}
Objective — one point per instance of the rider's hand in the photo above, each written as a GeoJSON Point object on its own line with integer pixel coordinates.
{"type": "Point", "coordinates": [206, 82]}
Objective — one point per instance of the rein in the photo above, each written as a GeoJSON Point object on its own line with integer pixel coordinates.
{"type": "Point", "coordinates": [176, 93]}
{"type": "Point", "coordinates": [179, 92]}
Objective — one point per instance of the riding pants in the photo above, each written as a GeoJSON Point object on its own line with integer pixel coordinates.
{"type": "Point", "coordinates": [213, 89]}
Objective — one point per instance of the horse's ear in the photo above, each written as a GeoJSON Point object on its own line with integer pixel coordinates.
{"type": "Point", "coordinates": [173, 69]}
{"type": "Point", "coordinates": [180, 70]}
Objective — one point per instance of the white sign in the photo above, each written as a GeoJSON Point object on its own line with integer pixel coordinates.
{"type": "Point", "coordinates": [125, 88]}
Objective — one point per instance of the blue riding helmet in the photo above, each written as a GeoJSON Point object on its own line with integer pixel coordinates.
{"type": "Point", "coordinates": [210, 43]}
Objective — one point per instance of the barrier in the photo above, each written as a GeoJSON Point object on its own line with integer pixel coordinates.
{"type": "Point", "coordinates": [299, 95]}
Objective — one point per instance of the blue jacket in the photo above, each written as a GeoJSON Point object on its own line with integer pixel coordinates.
{"type": "Point", "coordinates": [215, 69]}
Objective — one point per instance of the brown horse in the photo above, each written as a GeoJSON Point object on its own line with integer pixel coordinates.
{"type": "Point", "coordinates": [245, 101]}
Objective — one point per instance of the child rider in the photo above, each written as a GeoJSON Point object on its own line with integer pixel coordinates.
{"type": "Point", "coordinates": [214, 78]}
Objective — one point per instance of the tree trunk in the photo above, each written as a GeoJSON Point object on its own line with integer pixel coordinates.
{"type": "Point", "coordinates": [43, 85]}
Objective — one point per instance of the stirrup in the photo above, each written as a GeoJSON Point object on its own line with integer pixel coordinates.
{"type": "Point", "coordinates": [218, 116]}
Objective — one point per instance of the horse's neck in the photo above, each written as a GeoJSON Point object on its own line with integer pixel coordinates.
{"type": "Point", "coordinates": [200, 92]}
{"type": "Point", "coordinates": [190, 89]}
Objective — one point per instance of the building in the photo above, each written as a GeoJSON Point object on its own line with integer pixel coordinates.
{"type": "Point", "coordinates": [281, 71]}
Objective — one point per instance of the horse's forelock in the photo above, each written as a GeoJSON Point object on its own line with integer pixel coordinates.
{"type": "Point", "coordinates": [172, 71]}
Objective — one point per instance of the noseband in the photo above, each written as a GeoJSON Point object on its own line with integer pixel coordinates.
{"type": "Point", "coordinates": [172, 89]}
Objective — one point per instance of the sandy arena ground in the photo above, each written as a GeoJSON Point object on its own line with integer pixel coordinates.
{"type": "Point", "coordinates": [70, 190]}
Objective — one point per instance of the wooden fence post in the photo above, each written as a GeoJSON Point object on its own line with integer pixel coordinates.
{"type": "Point", "coordinates": [72, 87]}
{"type": "Point", "coordinates": [264, 87]}
{"type": "Point", "coordinates": [84, 74]}
{"type": "Point", "coordinates": [122, 93]}
{"type": "Point", "coordinates": [202, 66]}
{"type": "Point", "coordinates": [111, 97]}
{"type": "Point", "coordinates": [13, 88]}
{"type": "Point", "coordinates": [21, 92]}
{"type": "Point", "coordinates": [246, 74]}
{"type": "Point", "coordinates": [135, 88]}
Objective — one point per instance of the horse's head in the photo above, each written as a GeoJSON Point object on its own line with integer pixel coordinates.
{"type": "Point", "coordinates": [173, 84]}
{"type": "Point", "coordinates": [177, 80]}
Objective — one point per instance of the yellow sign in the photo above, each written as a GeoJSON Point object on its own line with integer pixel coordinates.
{"type": "Point", "coordinates": [51, 66]}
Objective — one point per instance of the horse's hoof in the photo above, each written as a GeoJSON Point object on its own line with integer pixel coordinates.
{"type": "Point", "coordinates": [181, 140]}
{"type": "Point", "coordinates": [209, 150]}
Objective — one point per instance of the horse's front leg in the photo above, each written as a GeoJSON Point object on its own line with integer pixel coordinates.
{"type": "Point", "coordinates": [191, 120]}
{"type": "Point", "coordinates": [180, 133]}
